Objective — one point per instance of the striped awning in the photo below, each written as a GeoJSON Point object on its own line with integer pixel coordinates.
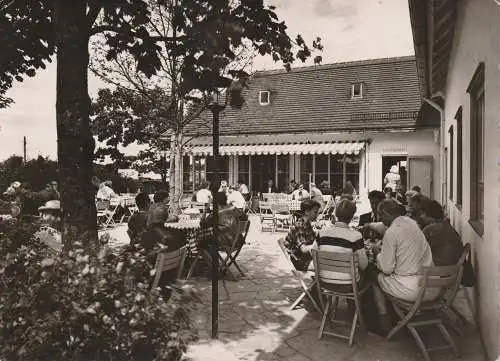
{"type": "Point", "coordinates": [264, 149]}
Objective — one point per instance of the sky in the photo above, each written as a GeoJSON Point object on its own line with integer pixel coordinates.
{"type": "Point", "coordinates": [349, 29]}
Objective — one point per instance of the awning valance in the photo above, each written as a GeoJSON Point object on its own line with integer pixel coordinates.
{"type": "Point", "coordinates": [264, 149]}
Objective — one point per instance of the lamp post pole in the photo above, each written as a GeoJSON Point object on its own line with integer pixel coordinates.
{"type": "Point", "coordinates": [214, 255]}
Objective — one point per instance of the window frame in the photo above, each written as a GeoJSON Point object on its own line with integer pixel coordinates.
{"type": "Point", "coordinates": [268, 97]}
{"type": "Point", "coordinates": [353, 87]}
{"type": "Point", "coordinates": [451, 154]}
{"type": "Point", "coordinates": [477, 125]}
{"type": "Point", "coordinates": [459, 135]}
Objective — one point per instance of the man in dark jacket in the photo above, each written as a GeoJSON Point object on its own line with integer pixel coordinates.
{"type": "Point", "coordinates": [375, 198]}
{"type": "Point", "coordinates": [446, 244]}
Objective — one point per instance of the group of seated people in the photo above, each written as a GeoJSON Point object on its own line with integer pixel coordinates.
{"type": "Point", "coordinates": [392, 243]}
{"type": "Point", "coordinates": [147, 227]}
{"type": "Point", "coordinates": [236, 195]}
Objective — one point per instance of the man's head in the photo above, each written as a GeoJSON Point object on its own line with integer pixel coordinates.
{"type": "Point", "coordinates": [48, 187]}
{"type": "Point", "coordinates": [54, 185]}
{"type": "Point", "coordinates": [142, 200]}
{"type": "Point", "coordinates": [161, 196]}
{"type": "Point", "coordinates": [345, 210]}
{"type": "Point", "coordinates": [375, 198]}
{"type": "Point", "coordinates": [310, 209]}
{"type": "Point", "coordinates": [301, 186]}
{"type": "Point", "coordinates": [388, 210]}
{"type": "Point", "coordinates": [293, 182]}
{"type": "Point", "coordinates": [431, 211]}
{"type": "Point", "coordinates": [417, 189]}
{"type": "Point", "coordinates": [221, 198]}
{"type": "Point", "coordinates": [270, 182]}
{"type": "Point", "coordinates": [157, 215]}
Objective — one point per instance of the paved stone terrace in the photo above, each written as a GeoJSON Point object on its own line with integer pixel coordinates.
{"type": "Point", "coordinates": [256, 324]}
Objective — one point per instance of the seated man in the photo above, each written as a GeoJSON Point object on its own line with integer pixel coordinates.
{"type": "Point", "coordinates": [446, 244]}
{"type": "Point", "coordinates": [204, 195]}
{"type": "Point", "coordinates": [137, 223]}
{"type": "Point", "coordinates": [340, 238]}
{"type": "Point", "coordinates": [300, 193]}
{"type": "Point", "coordinates": [375, 197]}
{"type": "Point", "coordinates": [227, 226]}
{"type": "Point", "coordinates": [235, 198]}
{"type": "Point", "coordinates": [403, 254]}
{"type": "Point", "coordinates": [301, 236]}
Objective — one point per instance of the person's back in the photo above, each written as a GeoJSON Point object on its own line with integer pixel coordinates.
{"type": "Point", "coordinates": [204, 196]}
{"type": "Point", "coordinates": [404, 252]}
{"type": "Point", "coordinates": [137, 223]}
{"type": "Point", "coordinates": [445, 243]}
{"type": "Point", "coordinates": [236, 199]}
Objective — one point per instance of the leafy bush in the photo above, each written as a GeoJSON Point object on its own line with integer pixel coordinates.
{"type": "Point", "coordinates": [72, 307]}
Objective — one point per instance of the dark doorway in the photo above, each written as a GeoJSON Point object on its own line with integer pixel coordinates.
{"type": "Point", "coordinates": [401, 163]}
{"type": "Point", "coordinates": [263, 169]}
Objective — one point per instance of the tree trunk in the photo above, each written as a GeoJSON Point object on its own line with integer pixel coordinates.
{"type": "Point", "coordinates": [176, 177]}
{"type": "Point", "coordinates": [75, 146]}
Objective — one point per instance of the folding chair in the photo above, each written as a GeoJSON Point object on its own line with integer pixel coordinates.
{"type": "Point", "coordinates": [166, 261]}
{"type": "Point", "coordinates": [266, 216]}
{"type": "Point", "coordinates": [104, 214]}
{"type": "Point", "coordinates": [232, 253]}
{"type": "Point", "coordinates": [304, 277]}
{"type": "Point", "coordinates": [130, 208]}
{"type": "Point", "coordinates": [282, 217]}
{"type": "Point", "coordinates": [329, 267]}
{"type": "Point", "coordinates": [425, 313]}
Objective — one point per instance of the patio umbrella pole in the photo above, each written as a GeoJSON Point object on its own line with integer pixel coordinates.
{"type": "Point", "coordinates": [213, 247]}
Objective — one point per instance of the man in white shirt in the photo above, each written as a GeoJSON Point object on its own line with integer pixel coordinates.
{"type": "Point", "coordinates": [235, 198]}
{"type": "Point", "coordinates": [105, 191]}
{"type": "Point", "coordinates": [204, 195]}
{"type": "Point", "coordinates": [403, 254]}
{"type": "Point", "coordinates": [243, 189]}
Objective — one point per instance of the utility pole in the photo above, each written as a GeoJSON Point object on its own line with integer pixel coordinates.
{"type": "Point", "coordinates": [24, 148]}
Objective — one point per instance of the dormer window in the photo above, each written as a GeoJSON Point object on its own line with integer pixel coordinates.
{"type": "Point", "coordinates": [264, 97]}
{"type": "Point", "coordinates": [357, 91]}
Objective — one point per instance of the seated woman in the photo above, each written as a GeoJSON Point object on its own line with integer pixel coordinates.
{"type": "Point", "coordinates": [301, 237]}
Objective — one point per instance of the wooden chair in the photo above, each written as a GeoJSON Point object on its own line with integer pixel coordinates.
{"type": "Point", "coordinates": [104, 213]}
{"type": "Point", "coordinates": [426, 313]}
{"type": "Point", "coordinates": [232, 253]}
{"type": "Point", "coordinates": [166, 261]}
{"type": "Point", "coordinates": [303, 277]}
{"type": "Point", "coordinates": [340, 264]}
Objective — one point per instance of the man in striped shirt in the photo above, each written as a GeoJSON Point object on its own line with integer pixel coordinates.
{"type": "Point", "coordinates": [340, 238]}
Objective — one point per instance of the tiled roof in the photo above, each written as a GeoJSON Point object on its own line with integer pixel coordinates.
{"type": "Point", "coordinates": [318, 98]}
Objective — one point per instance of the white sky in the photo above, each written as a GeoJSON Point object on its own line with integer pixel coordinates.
{"type": "Point", "coordinates": [350, 30]}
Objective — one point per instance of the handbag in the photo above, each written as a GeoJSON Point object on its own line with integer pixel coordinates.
{"type": "Point", "coordinates": [468, 276]}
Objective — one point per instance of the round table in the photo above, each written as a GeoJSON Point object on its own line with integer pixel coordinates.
{"type": "Point", "coordinates": [188, 224]}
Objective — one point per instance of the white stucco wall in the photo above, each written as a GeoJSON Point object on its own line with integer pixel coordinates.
{"type": "Point", "coordinates": [421, 143]}
{"type": "Point", "coordinates": [477, 39]}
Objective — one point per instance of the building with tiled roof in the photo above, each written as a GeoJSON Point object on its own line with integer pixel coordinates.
{"type": "Point", "coordinates": [329, 124]}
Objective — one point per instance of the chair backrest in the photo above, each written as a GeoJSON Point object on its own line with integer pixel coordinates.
{"type": "Point", "coordinates": [243, 227]}
{"type": "Point", "coordinates": [102, 205]}
{"type": "Point", "coordinates": [166, 261]}
{"type": "Point", "coordinates": [454, 289]}
{"type": "Point", "coordinates": [439, 277]}
{"type": "Point", "coordinates": [339, 262]}
{"type": "Point", "coordinates": [281, 244]}
{"type": "Point", "coordinates": [335, 264]}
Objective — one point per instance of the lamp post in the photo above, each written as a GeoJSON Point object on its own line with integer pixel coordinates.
{"type": "Point", "coordinates": [216, 106]}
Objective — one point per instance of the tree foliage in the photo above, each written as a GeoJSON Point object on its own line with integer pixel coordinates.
{"type": "Point", "coordinates": [204, 33]}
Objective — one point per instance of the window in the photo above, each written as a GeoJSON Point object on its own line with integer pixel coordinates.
{"type": "Point", "coordinates": [223, 170]}
{"type": "Point", "coordinates": [283, 172]}
{"type": "Point", "coordinates": [187, 173]}
{"type": "Point", "coordinates": [336, 172]}
{"type": "Point", "coordinates": [357, 91]}
{"type": "Point", "coordinates": [451, 186]}
{"type": "Point", "coordinates": [321, 168]}
{"type": "Point", "coordinates": [264, 97]}
{"type": "Point", "coordinates": [352, 170]}
{"type": "Point", "coordinates": [476, 92]}
{"type": "Point", "coordinates": [458, 118]}
{"type": "Point", "coordinates": [243, 168]}
{"type": "Point", "coordinates": [306, 168]}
